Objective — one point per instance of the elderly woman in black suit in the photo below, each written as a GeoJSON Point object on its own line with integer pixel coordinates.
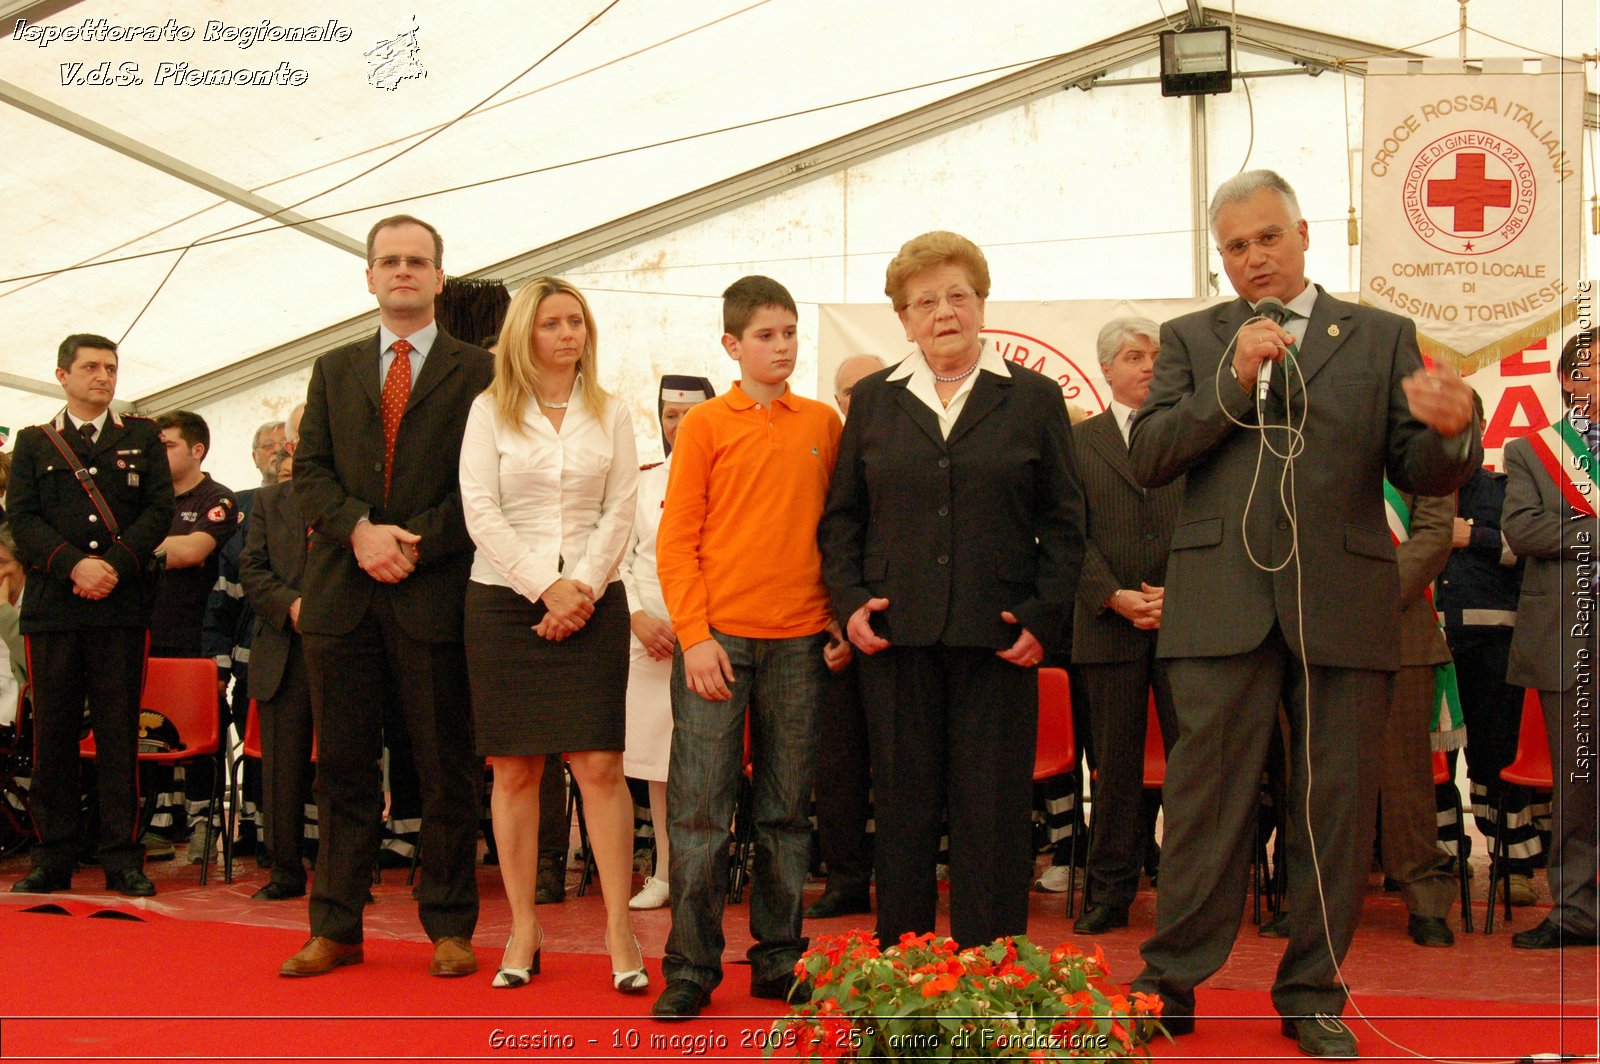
{"type": "Point", "coordinates": [951, 545]}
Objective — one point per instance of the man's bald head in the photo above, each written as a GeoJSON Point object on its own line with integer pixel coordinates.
{"type": "Point", "coordinates": [849, 372]}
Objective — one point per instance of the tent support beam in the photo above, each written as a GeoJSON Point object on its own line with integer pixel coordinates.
{"type": "Point", "coordinates": [1199, 184]}
{"type": "Point", "coordinates": [107, 137]}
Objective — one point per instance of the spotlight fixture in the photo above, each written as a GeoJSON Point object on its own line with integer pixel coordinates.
{"type": "Point", "coordinates": [1197, 62]}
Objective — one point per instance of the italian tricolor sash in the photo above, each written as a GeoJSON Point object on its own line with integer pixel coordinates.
{"type": "Point", "coordinates": [1562, 451]}
{"type": "Point", "coordinates": [1448, 729]}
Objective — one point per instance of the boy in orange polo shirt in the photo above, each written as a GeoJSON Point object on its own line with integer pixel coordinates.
{"type": "Point", "coordinates": [742, 577]}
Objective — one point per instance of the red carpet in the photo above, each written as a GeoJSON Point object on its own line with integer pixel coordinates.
{"type": "Point", "coordinates": [140, 990]}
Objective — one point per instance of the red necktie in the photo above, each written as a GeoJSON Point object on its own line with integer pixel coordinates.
{"type": "Point", "coordinates": [396, 393]}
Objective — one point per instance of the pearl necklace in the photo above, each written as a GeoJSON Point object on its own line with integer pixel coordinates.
{"type": "Point", "coordinates": [963, 375]}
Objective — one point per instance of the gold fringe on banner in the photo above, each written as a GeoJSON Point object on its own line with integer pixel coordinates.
{"type": "Point", "coordinates": [1506, 345]}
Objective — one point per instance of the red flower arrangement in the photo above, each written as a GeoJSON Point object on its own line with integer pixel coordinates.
{"type": "Point", "coordinates": [925, 999]}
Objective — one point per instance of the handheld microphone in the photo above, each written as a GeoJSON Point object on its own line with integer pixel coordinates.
{"type": "Point", "coordinates": [1272, 309]}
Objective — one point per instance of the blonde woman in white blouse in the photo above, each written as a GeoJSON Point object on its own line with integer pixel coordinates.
{"type": "Point", "coordinates": [548, 478]}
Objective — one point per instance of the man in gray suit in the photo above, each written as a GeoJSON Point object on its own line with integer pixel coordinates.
{"type": "Point", "coordinates": [1116, 617]}
{"type": "Point", "coordinates": [1549, 519]}
{"type": "Point", "coordinates": [1282, 585]}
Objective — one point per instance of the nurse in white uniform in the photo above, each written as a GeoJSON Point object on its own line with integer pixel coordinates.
{"type": "Point", "coordinates": [649, 716]}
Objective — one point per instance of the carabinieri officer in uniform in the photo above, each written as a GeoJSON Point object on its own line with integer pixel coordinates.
{"type": "Point", "coordinates": [88, 538]}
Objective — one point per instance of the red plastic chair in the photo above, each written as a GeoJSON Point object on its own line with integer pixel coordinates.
{"type": "Point", "coordinates": [744, 832]}
{"type": "Point", "coordinates": [1155, 751]}
{"type": "Point", "coordinates": [250, 746]}
{"type": "Point", "coordinates": [1530, 769]}
{"type": "Point", "coordinates": [1441, 775]}
{"type": "Point", "coordinates": [1056, 750]}
{"type": "Point", "coordinates": [184, 690]}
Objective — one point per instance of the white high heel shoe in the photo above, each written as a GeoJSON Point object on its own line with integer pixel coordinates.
{"type": "Point", "coordinates": [511, 978]}
{"type": "Point", "coordinates": [630, 982]}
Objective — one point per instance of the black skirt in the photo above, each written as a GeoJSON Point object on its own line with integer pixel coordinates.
{"type": "Point", "coordinates": [533, 696]}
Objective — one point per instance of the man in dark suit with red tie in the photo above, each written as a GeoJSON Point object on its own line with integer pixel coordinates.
{"type": "Point", "coordinates": [89, 500]}
{"type": "Point", "coordinates": [386, 575]}
{"type": "Point", "coordinates": [1116, 617]}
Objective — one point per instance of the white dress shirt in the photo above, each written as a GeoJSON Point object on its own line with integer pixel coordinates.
{"type": "Point", "coordinates": [921, 384]}
{"type": "Point", "coordinates": [542, 504]}
{"type": "Point", "coordinates": [1123, 413]}
{"type": "Point", "coordinates": [421, 343]}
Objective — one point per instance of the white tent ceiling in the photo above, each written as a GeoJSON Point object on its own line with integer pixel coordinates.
{"type": "Point", "coordinates": [549, 133]}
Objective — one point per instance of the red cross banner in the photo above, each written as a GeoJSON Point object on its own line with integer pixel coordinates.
{"type": "Point", "coordinates": [1471, 201]}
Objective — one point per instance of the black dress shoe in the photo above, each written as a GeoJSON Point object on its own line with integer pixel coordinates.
{"type": "Point", "coordinates": [1176, 1020]}
{"type": "Point", "coordinates": [1322, 1035]}
{"type": "Point", "coordinates": [681, 999]}
{"type": "Point", "coordinates": [1277, 927]}
{"type": "Point", "coordinates": [130, 882]}
{"type": "Point", "coordinates": [1430, 931]}
{"type": "Point", "coordinates": [839, 903]}
{"type": "Point", "coordinates": [42, 881]}
{"type": "Point", "coordinates": [1546, 936]}
{"type": "Point", "coordinates": [1098, 919]}
{"type": "Point", "coordinates": [275, 891]}
{"type": "Point", "coordinates": [782, 988]}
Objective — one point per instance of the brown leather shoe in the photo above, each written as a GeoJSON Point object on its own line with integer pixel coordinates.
{"type": "Point", "coordinates": [452, 955]}
{"type": "Point", "coordinates": [321, 955]}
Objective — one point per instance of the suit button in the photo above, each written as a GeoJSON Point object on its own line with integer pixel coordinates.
{"type": "Point", "coordinates": [377, 467]}
{"type": "Point", "coordinates": [944, 511]}
{"type": "Point", "coordinates": [1149, 535]}
{"type": "Point", "coordinates": [94, 545]}
{"type": "Point", "coordinates": [944, 559]}
{"type": "Point", "coordinates": [1283, 523]}
{"type": "Point", "coordinates": [93, 518]}
{"type": "Point", "coordinates": [93, 471]}
{"type": "Point", "coordinates": [944, 463]}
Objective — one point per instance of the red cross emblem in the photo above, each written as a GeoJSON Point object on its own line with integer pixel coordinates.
{"type": "Point", "coordinates": [1469, 192]}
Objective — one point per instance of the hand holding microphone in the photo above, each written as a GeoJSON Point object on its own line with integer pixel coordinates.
{"type": "Point", "coordinates": [1259, 344]}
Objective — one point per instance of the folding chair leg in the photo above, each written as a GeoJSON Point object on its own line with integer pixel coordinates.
{"type": "Point", "coordinates": [1496, 861]}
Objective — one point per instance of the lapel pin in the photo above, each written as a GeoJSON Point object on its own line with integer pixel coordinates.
{"type": "Point", "coordinates": [1333, 330]}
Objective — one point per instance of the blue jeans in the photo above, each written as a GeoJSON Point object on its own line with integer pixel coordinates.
{"type": "Point", "coordinates": [780, 682]}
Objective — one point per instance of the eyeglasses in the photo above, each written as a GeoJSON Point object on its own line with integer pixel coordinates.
{"type": "Point", "coordinates": [410, 262]}
{"type": "Point", "coordinates": [1269, 239]}
{"type": "Point", "coordinates": [958, 298]}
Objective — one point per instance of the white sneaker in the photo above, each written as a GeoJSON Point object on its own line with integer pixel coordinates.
{"type": "Point", "coordinates": [197, 845]}
{"type": "Point", "coordinates": [1057, 879]}
{"type": "Point", "coordinates": [653, 895]}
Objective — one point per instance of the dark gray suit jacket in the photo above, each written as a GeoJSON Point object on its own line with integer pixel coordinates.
{"type": "Point", "coordinates": [1359, 428]}
{"type": "Point", "coordinates": [338, 476]}
{"type": "Point", "coordinates": [1555, 615]}
{"type": "Point", "coordinates": [1129, 530]}
{"type": "Point", "coordinates": [954, 531]}
{"type": "Point", "coordinates": [272, 572]}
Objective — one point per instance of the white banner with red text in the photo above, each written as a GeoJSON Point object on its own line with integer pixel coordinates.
{"type": "Point", "coordinates": [1057, 338]}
